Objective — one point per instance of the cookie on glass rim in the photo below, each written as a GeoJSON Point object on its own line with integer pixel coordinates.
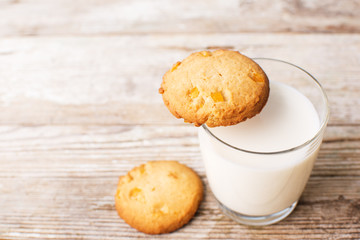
{"type": "Point", "coordinates": [218, 88]}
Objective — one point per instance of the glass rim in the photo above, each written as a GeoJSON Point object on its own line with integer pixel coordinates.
{"type": "Point", "coordinates": [319, 131]}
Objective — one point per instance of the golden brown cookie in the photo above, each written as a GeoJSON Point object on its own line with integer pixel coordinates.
{"type": "Point", "coordinates": [218, 88]}
{"type": "Point", "coordinates": [159, 196]}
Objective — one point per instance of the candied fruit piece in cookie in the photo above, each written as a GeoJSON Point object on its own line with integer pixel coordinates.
{"type": "Point", "coordinates": [194, 92]}
{"type": "Point", "coordinates": [175, 66]}
{"type": "Point", "coordinates": [218, 88]}
{"type": "Point", "coordinates": [217, 97]}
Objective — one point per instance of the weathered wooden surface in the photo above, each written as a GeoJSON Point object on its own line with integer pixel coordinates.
{"type": "Point", "coordinates": [79, 107]}
{"type": "Point", "coordinates": [59, 181]}
{"type": "Point", "coordinates": [107, 17]}
{"type": "Point", "coordinates": [115, 80]}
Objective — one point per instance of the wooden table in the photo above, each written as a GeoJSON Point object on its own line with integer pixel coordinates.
{"type": "Point", "coordinates": [79, 107]}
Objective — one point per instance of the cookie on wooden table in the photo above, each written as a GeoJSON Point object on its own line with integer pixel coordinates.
{"type": "Point", "coordinates": [159, 196]}
{"type": "Point", "coordinates": [217, 88]}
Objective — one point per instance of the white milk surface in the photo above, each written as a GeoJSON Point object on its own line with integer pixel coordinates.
{"type": "Point", "coordinates": [262, 184]}
{"type": "Point", "coordinates": [287, 120]}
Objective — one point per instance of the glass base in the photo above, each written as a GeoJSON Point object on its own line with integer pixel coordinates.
{"type": "Point", "coordinates": [257, 220]}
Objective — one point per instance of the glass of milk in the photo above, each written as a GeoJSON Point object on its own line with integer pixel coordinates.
{"type": "Point", "coordinates": [258, 169]}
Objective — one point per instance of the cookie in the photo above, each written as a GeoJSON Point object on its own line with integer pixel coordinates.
{"type": "Point", "coordinates": [159, 196]}
{"type": "Point", "coordinates": [219, 88]}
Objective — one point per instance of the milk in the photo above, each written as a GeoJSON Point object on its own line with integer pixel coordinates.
{"type": "Point", "coordinates": [259, 184]}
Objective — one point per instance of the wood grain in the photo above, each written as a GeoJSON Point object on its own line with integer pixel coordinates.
{"type": "Point", "coordinates": [109, 17]}
{"type": "Point", "coordinates": [76, 116]}
{"type": "Point", "coordinates": [115, 80]}
{"type": "Point", "coordinates": [59, 182]}
{"type": "Point", "coordinates": [79, 107]}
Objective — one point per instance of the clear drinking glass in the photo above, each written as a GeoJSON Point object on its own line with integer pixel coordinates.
{"type": "Point", "coordinates": [271, 182]}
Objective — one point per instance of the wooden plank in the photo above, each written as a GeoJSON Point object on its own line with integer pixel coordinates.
{"type": "Point", "coordinates": [115, 80]}
{"type": "Point", "coordinates": [91, 218]}
{"type": "Point", "coordinates": [113, 150]}
{"type": "Point", "coordinates": [93, 17]}
{"type": "Point", "coordinates": [58, 182]}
